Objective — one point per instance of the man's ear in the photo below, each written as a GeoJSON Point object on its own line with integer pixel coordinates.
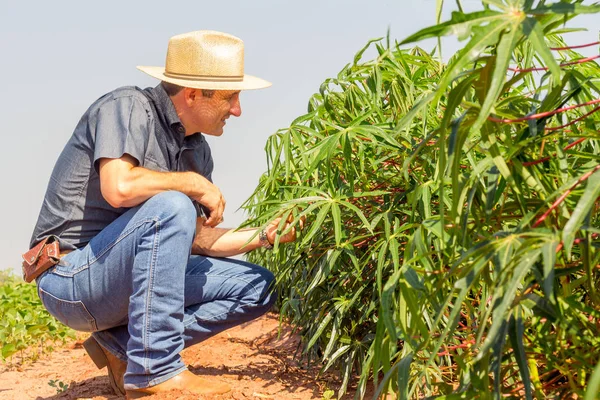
{"type": "Point", "coordinates": [190, 96]}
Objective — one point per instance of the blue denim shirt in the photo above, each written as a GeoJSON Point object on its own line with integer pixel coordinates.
{"type": "Point", "coordinates": [128, 120]}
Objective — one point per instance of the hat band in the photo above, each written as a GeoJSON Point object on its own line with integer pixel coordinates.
{"type": "Point", "coordinates": [210, 78]}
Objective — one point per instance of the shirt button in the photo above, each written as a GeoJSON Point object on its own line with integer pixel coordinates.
{"type": "Point", "coordinates": [181, 129]}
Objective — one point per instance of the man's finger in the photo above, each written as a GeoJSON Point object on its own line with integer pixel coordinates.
{"type": "Point", "coordinates": [216, 215]}
{"type": "Point", "coordinates": [211, 221]}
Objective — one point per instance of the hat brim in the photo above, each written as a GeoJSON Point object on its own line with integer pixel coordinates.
{"type": "Point", "coordinates": [248, 83]}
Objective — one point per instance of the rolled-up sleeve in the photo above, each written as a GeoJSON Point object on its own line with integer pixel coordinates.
{"type": "Point", "coordinates": [122, 127]}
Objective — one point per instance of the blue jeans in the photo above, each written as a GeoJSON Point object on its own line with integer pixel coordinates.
{"type": "Point", "coordinates": [144, 297]}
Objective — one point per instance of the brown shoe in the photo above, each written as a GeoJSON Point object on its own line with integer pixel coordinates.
{"type": "Point", "coordinates": [183, 381]}
{"type": "Point", "coordinates": [104, 358]}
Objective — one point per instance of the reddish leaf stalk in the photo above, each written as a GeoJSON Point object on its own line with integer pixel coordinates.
{"type": "Point", "coordinates": [581, 61]}
{"type": "Point", "coordinates": [555, 128]}
{"type": "Point", "coordinates": [465, 345]}
{"type": "Point", "coordinates": [564, 195]}
{"type": "Point", "coordinates": [541, 160]}
{"type": "Point", "coordinates": [544, 114]}
{"type": "Point", "coordinates": [576, 241]}
{"type": "Point", "coordinates": [575, 47]}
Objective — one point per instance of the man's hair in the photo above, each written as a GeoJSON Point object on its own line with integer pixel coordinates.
{"type": "Point", "coordinates": [172, 89]}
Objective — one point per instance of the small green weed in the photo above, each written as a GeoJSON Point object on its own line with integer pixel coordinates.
{"type": "Point", "coordinates": [26, 327]}
{"type": "Point", "coordinates": [59, 385]}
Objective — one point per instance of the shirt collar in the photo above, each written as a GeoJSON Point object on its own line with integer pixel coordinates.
{"type": "Point", "coordinates": [166, 106]}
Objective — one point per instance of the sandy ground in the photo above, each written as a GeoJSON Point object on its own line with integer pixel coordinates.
{"type": "Point", "coordinates": [251, 358]}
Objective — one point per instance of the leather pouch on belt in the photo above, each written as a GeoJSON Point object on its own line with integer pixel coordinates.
{"type": "Point", "coordinates": [43, 256]}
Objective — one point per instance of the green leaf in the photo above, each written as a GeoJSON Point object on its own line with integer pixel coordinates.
{"type": "Point", "coordinates": [459, 25]}
{"type": "Point", "coordinates": [533, 29]}
{"type": "Point", "coordinates": [516, 337]}
{"type": "Point", "coordinates": [339, 352]}
{"type": "Point", "coordinates": [8, 350]}
{"type": "Point", "coordinates": [565, 8]}
{"type": "Point", "coordinates": [549, 256]}
{"type": "Point", "coordinates": [387, 304]}
{"type": "Point", "coordinates": [502, 60]}
{"type": "Point", "coordinates": [324, 322]}
{"type": "Point", "coordinates": [318, 224]}
{"type": "Point", "coordinates": [337, 222]}
{"type": "Point", "coordinates": [502, 300]}
{"type": "Point", "coordinates": [404, 375]}
{"type": "Point", "coordinates": [584, 205]}
{"type": "Point", "coordinates": [593, 386]}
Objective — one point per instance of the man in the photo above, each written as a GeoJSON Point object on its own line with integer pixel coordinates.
{"type": "Point", "coordinates": [126, 201]}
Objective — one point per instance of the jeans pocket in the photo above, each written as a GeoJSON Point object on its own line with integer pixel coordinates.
{"type": "Point", "coordinates": [73, 314]}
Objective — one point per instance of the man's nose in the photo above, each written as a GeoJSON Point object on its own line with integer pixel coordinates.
{"type": "Point", "coordinates": [236, 108]}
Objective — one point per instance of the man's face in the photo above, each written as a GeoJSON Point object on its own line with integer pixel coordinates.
{"type": "Point", "coordinates": [209, 113]}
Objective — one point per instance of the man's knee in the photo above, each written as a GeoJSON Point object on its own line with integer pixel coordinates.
{"type": "Point", "coordinates": [268, 294]}
{"type": "Point", "coordinates": [175, 206]}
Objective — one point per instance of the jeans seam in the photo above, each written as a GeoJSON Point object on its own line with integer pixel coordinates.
{"type": "Point", "coordinates": [153, 258]}
{"type": "Point", "coordinates": [153, 382]}
{"type": "Point", "coordinates": [212, 317]}
{"type": "Point", "coordinates": [121, 237]}
{"type": "Point", "coordinates": [91, 321]}
{"type": "Point", "coordinates": [226, 312]}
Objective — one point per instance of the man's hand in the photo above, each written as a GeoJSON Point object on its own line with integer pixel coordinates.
{"type": "Point", "coordinates": [124, 184]}
{"type": "Point", "coordinates": [272, 232]}
{"type": "Point", "coordinates": [210, 196]}
{"type": "Point", "coordinates": [219, 242]}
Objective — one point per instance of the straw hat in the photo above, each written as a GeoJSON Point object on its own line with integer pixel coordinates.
{"type": "Point", "coordinates": [206, 60]}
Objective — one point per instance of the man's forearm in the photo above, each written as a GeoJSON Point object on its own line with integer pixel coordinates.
{"type": "Point", "coordinates": [141, 184]}
{"type": "Point", "coordinates": [221, 242]}
{"type": "Point", "coordinates": [124, 184]}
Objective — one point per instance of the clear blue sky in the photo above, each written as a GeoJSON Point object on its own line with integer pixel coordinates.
{"type": "Point", "coordinates": [59, 56]}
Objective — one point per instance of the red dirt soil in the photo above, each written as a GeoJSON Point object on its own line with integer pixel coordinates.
{"type": "Point", "coordinates": [251, 358]}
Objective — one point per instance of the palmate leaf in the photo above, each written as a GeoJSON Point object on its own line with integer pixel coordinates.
{"type": "Point", "coordinates": [460, 25]}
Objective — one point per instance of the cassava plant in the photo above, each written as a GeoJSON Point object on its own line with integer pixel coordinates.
{"type": "Point", "coordinates": [452, 239]}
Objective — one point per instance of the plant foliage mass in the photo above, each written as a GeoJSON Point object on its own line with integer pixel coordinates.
{"type": "Point", "coordinates": [26, 328]}
{"type": "Point", "coordinates": [452, 239]}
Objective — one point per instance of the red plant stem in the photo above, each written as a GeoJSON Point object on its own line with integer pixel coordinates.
{"type": "Point", "coordinates": [575, 143]}
{"type": "Point", "coordinates": [544, 114]}
{"type": "Point", "coordinates": [555, 128]}
{"type": "Point", "coordinates": [576, 241]}
{"type": "Point", "coordinates": [581, 61]}
{"type": "Point", "coordinates": [564, 195]}
{"type": "Point", "coordinates": [541, 160]}
{"type": "Point", "coordinates": [535, 162]}
{"type": "Point", "coordinates": [465, 345]}
{"type": "Point", "coordinates": [575, 47]}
